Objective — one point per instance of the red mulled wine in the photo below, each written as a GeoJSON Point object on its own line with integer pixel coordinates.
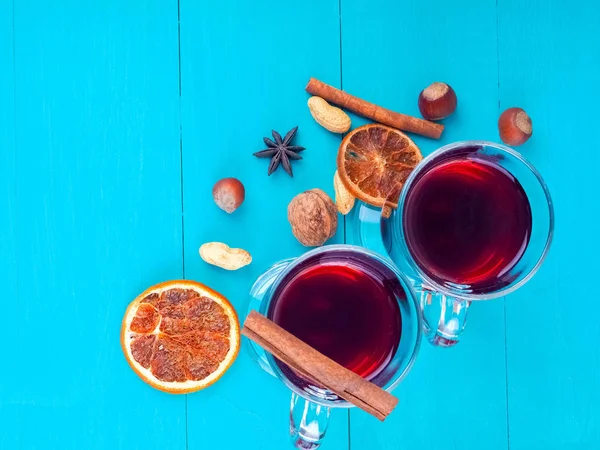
{"type": "Point", "coordinates": [345, 305]}
{"type": "Point", "coordinates": [467, 221]}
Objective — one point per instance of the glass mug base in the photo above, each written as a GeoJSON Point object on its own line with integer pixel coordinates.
{"type": "Point", "coordinates": [474, 221]}
{"type": "Point", "coordinates": [308, 421]}
{"type": "Point", "coordinates": [311, 406]}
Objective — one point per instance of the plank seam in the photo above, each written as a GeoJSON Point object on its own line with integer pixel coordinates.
{"type": "Point", "coordinates": [345, 222]}
{"type": "Point", "coordinates": [349, 433]}
{"type": "Point", "coordinates": [504, 299]}
{"type": "Point", "coordinates": [506, 374]}
{"type": "Point", "coordinates": [181, 144]}
{"type": "Point", "coordinates": [342, 88]}
{"type": "Point", "coordinates": [181, 182]}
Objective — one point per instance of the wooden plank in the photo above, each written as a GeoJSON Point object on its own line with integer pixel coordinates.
{"type": "Point", "coordinates": [244, 66]}
{"type": "Point", "coordinates": [8, 226]}
{"type": "Point", "coordinates": [98, 216]}
{"type": "Point", "coordinates": [392, 50]}
{"type": "Point", "coordinates": [549, 53]}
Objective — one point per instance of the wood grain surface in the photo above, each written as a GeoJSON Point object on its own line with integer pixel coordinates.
{"type": "Point", "coordinates": [549, 56]}
{"type": "Point", "coordinates": [98, 216]}
{"type": "Point", "coordinates": [10, 404]}
{"type": "Point", "coordinates": [452, 398]}
{"type": "Point", "coordinates": [243, 71]}
{"type": "Point", "coordinates": [116, 119]}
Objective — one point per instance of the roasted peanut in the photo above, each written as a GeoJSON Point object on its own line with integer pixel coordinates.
{"type": "Point", "coordinates": [344, 200]}
{"type": "Point", "coordinates": [329, 117]}
{"type": "Point", "coordinates": [221, 255]}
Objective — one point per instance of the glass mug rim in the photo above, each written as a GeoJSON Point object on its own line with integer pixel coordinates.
{"type": "Point", "coordinates": [428, 281]}
{"type": "Point", "coordinates": [319, 396]}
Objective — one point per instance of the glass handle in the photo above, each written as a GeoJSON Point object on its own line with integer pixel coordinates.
{"type": "Point", "coordinates": [308, 423]}
{"type": "Point", "coordinates": [368, 231]}
{"type": "Point", "coordinates": [444, 318]}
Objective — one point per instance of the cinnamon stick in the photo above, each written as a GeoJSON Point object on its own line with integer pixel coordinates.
{"type": "Point", "coordinates": [318, 368]}
{"type": "Point", "coordinates": [374, 112]}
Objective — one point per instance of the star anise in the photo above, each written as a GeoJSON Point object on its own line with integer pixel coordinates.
{"type": "Point", "coordinates": [280, 151]}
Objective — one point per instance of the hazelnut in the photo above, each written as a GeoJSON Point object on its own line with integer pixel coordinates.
{"type": "Point", "coordinates": [515, 126]}
{"type": "Point", "coordinates": [229, 194]}
{"type": "Point", "coordinates": [437, 101]}
{"type": "Point", "coordinates": [313, 217]}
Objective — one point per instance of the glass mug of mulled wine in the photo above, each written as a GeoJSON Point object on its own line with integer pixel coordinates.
{"type": "Point", "coordinates": [350, 304]}
{"type": "Point", "coordinates": [474, 221]}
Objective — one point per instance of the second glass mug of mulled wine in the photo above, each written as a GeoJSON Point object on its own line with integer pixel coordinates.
{"type": "Point", "coordinates": [350, 304]}
{"type": "Point", "coordinates": [474, 221]}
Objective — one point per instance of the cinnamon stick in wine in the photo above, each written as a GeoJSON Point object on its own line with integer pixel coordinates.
{"type": "Point", "coordinates": [374, 112]}
{"type": "Point", "coordinates": [317, 367]}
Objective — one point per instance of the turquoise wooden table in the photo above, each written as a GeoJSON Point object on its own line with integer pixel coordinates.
{"type": "Point", "coordinates": [117, 117]}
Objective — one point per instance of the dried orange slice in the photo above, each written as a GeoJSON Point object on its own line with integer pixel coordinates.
{"type": "Point", "coordinates": [180, 336]}
{"type": "Point", "coordinates": [374, 162]}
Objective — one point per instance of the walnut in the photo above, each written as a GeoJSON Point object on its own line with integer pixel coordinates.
{"type": "Point", "coordinates": [313, 217]}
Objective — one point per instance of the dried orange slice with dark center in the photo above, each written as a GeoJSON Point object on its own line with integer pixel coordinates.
{"type": "Point", "coordinates": [180, 336]}
{"type": "Point", "coordinates": [374, 162]}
